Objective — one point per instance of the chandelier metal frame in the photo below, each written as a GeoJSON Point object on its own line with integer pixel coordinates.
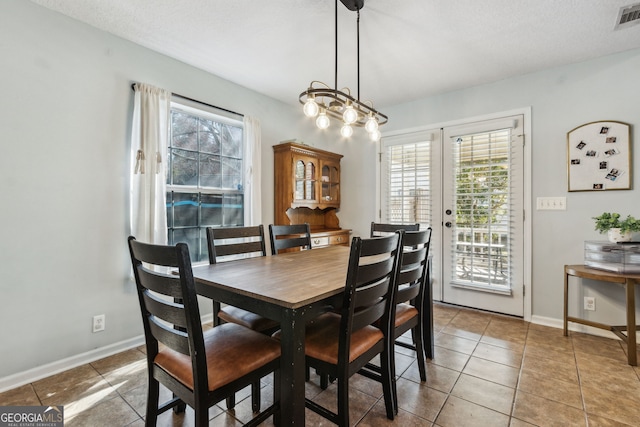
{"type": "Point", "coordinates": [332, 101]}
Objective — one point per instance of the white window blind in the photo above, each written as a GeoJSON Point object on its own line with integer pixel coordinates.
{"type": "Point", "coordinates": [487, 200]}
{"type": "Point", "coordinates": [406, 179]}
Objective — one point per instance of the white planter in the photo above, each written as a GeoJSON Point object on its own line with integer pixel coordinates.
{"type": "Point", "coordinates": [616, 236]}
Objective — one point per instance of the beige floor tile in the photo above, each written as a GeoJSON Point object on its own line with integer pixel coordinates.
{"type": "Point", "coordinates": [461, 413]}
{"type": "Point", "coordinates": [455, 343]}
{"type": "Point", "coordinates": [113, 412]}
{"type": "Point", "coordinates": [498, 354]}
{"type": "Point", "coordinates": [543, 412]}
{"type": "Point", "coordinates": [623, 408]}
{"type": "Point", "coordinates": [108, 364]}
{"type": "Point", "coordinates": [558, 369]}
{"type": "Point", "coordinates": [449, 358]}
{"type": "Point", "coordinates": [597, 421]}
{"type": "Point", "coordinates": [20, 396]}
{"type": "Point", "coordinates": [377, 417]}
{"type": "Point", "coordinates": [359, 403]}
{"type": "Point", "coordinates": [438, 377]}
{"type": "Point", "coordinates": [484, 393]}
{"type": "Point", "coordinates": [519, 423]}
{"type": "Point", "coordinates": [551, 388]}
{"type": "Point", "coordinates": [492, 371]}
{"type": "Point", "coordinates": [419, 399]}
{"type": "Point", "coordinates": [510, 342]}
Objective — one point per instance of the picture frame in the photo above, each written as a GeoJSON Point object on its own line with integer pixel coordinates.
{"type": "Point", "coordinates": [599, 157]}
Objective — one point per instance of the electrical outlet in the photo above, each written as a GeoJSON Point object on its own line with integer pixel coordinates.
{"type": "Point", "coordinates": [590, 303]}
{"type": "Point", "coordinates": [98, 323]}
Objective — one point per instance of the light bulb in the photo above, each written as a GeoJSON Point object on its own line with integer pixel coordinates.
{"type": "Point", "coordinates": [346, 131]}
{"type": "Point", "coordinates": [371, 125]}
{"type": "Point", "coordinates": [322, 121]}
{"type": "Point", "coordinates": [310, 108]}
{"type": "Point", "coordinates": [375, 135]}
{"type": "Point", "coordinates": [350, 115]}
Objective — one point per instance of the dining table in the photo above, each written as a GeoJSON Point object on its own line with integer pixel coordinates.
{"type": "Point", "coordinates": [291, 288]}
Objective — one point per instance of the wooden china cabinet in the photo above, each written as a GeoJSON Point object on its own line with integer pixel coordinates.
{"type": "Point", "coordinates": [307, 190]}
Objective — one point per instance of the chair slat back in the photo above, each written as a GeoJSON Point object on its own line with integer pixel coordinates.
{"type": "Point", "coordinates": [168, 302]}
{"type": "Point", "coordinates": [226, 242]}
{"type": "Point", "coordinates": [382, 229]}
{"type": "Point", "coordinates": [413, 266]}
{"type": "Point", "coordinates": [289, 236]}
{"type": "Point", "coordinates": [371, 278]}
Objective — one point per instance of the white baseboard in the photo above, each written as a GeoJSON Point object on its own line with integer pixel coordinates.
{"type": "Point", "coordinates": [576, 327]}
{"type": "Point", "coordinates": [44, 371]}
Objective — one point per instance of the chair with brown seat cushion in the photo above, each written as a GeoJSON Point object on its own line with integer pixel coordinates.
{"type": "Point", "coordinates": [340, 344]}
{"type": "Point", "coordinates": [382, 229]}
{"type": "Point", "coordinates": [227, 244]}
{"type": "Point", "coordinates": [411, 305]}
{"type": "Point", "coordinates": [199, 368]}
{"type": "Point", "coordinates": [289, 237]}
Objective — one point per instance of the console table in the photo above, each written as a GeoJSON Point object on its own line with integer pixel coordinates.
{"type": "Point", "coordinates": [629, 281]}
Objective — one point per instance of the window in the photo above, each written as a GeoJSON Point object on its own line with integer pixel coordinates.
{"type": "Point", "coordinates": [205, 184]}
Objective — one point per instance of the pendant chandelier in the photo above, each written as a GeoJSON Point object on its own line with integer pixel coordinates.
{"type": "Point", "coordinates": [323, 102]}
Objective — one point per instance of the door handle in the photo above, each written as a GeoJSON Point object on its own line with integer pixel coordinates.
{"type": "Point", "coordinates": [448, 224]}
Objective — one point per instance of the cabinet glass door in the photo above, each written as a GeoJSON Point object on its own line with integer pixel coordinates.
{"type": "Point", "coordinates": [330, 183]}
{"type": "Point", "coordinates": [305, 173]}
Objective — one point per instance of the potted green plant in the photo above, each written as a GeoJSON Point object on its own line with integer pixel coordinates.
{"type": "Point", "coordinates": [617, 229]}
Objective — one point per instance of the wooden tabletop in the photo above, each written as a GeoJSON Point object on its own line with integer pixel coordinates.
{"type": "Point", "coordinates": [289, 280]}
{"type": "Point", "coordinates": [583, 271]}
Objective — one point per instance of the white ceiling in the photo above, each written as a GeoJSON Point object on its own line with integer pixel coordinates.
{"type": "Point", "coordinates": [409, 49]}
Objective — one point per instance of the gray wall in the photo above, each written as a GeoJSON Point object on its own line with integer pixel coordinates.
{"type": "Point", "coordinates": [560, 100]}
{"type": "Point", "coordinates": [64, 117]}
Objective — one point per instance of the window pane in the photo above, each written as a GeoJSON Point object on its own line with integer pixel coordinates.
{"type": "Point", "coordinates": [211, 210]}
{"type": "Point", "coordinates": [233, 210]}
{"type": "Point", "coordinates": [184, 131]}
{"type": "Point", "coordinates": [209, 136]}
{"type": "Point", "coordinates": [231, 140]}
{"type": "Point", "coordinates": [210, 171]}
{"type": "Point", "coordinates": [232, 174]}
{"type": "Point", "coordinates": [185, 209]}
{"type": "Point", "coordinates": [184, 167]}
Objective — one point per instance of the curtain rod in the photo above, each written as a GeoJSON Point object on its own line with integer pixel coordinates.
{"type": "Point", "coordinates": [199, 102]}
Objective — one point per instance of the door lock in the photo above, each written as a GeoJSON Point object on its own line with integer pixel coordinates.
{"type": "Point", "coordinates": [448, 224]}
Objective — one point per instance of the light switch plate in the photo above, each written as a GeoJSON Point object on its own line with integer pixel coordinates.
{"type": "Point", "coordinates": [551, 203]}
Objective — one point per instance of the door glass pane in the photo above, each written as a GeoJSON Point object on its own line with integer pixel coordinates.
{"type": "Point", "coordinates": [481, 208]}
{"type": "Point", "coordinates": [408, 184]}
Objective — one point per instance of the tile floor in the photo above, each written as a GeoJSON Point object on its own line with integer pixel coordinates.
{"type": "Point", "coordinates": [488, 370]}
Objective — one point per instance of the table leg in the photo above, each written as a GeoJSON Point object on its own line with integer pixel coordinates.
{"type": "Point", "coordinates": [292, 369]}
{"type": "Point", "coordinates": [428, 340]}
{"type": "Point", "coordinates": [566, 303]}
{"type": "Point", "coordinates": [631, 322]}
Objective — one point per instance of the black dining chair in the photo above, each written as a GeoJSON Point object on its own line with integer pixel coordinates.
{"type": "Point", "coordinates": [340, 344]}
{"type": "Point", "coordinates": [199, 367]}
{"type": "Point", "coordinates": [230, 243]}
{"type": "Point", "coordinates": [382, 229]}
{"type": "Point", "coordinates": [411, 306]}
{"type": "Point", "coordinates": [288, 237]}
{"type": "Point", "coordinates": [227, 244]}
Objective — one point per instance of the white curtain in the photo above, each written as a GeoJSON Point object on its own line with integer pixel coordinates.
{"type": "Point", "coordinates": [149, 142]}
{"type": "Point", "coordinates": [252, 170]}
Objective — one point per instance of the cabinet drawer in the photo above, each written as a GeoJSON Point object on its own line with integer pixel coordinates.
{"type": "Point", "coordinates": [342, 239]}
{"type": "Point", "coordinates": [317, 242]}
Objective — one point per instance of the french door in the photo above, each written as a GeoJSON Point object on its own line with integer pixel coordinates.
{"type": "Point", "coordinates": [467, 183]}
